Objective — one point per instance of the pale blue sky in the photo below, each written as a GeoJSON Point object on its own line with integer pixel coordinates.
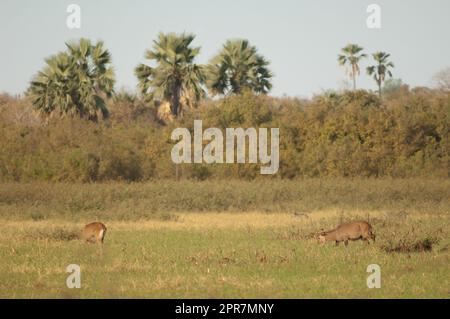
{"type": "Point", "coordinates": [301, 38]}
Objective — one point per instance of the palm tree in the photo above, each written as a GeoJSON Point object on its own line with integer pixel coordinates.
{"type": "Point", "coordinates": [237, 67]}
{"type": "Point", "coordinates": [75, 82]}
{"type": "Point", "coordinates": [351, 57]}
{"type": "Point", "coordinates": [176, 77]}
{"type": "Point", "coordinates": [380, 70]}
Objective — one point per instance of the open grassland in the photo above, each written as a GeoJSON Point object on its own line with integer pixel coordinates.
{"type": "Point", "coordinates": [250, 240]}
{"type": "Point", "coordinates": [161, 199]}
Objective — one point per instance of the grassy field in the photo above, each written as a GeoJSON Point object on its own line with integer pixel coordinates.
{"type": "Point", "coordinates": [248, 240]}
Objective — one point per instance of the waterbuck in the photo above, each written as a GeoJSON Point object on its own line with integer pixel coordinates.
{"type": "Point", "coordinates": [93, 233]}
{"type": "Point", "coordinates": [349, 231]}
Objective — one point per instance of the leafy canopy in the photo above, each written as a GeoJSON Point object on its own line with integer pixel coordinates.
{"type": "Point", "coordinates": [175, 75]}
{"type": "Point", "coordinates": [350, 57]}
{"type": "Point", "coordinates": [238, 67]}
{"type": "Point", "coordinates": [75, 82]}
{"type": "Point", "coordinates": [381, 68]}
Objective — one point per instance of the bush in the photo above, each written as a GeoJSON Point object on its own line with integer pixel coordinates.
{"type": "Point", "coordinates": [349, 134]}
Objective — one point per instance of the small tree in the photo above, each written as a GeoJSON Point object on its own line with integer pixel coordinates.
{"type": "Point", "coordinates": [380, 69]}
{"type": "Point", "coordinates": [442, 79]}
{"type": "Point", "coordinates": [350, 57]}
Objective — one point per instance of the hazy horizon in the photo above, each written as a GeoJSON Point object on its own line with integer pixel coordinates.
{"type": "Point", "coordinates": [301, 38]}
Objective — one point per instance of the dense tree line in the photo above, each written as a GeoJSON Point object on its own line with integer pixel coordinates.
{"type": "Point", "coordinates": [348, 134]}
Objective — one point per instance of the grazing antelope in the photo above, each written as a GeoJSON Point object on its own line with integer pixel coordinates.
{"type": "Point", "coordinates": [348, 231]}
{"type": "Point", "coordinates": [94, 232]}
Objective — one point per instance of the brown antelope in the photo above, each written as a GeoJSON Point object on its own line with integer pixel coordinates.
{"type": "Point", "coordinates": [349, 231]}
{"type": "Point", "coordinates": [93, 233]}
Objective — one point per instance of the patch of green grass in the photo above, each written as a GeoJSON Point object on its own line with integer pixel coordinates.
{"type": "Point", "coordinates": [58, 234]}
{"type": "Point", "coordinates": [160, 200]}
{"type": "Point", "coordinates": [221, 256]}
{"type": "Point", "coordinates": [225, 239]}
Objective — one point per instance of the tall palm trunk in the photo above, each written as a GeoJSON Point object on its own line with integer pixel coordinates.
{"type": "Point", "coordinates": [175, 105]}
{"type": "Point", "coordinates": [379, 89]}
{"type": "Point", "coordinates": [354, 76]}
